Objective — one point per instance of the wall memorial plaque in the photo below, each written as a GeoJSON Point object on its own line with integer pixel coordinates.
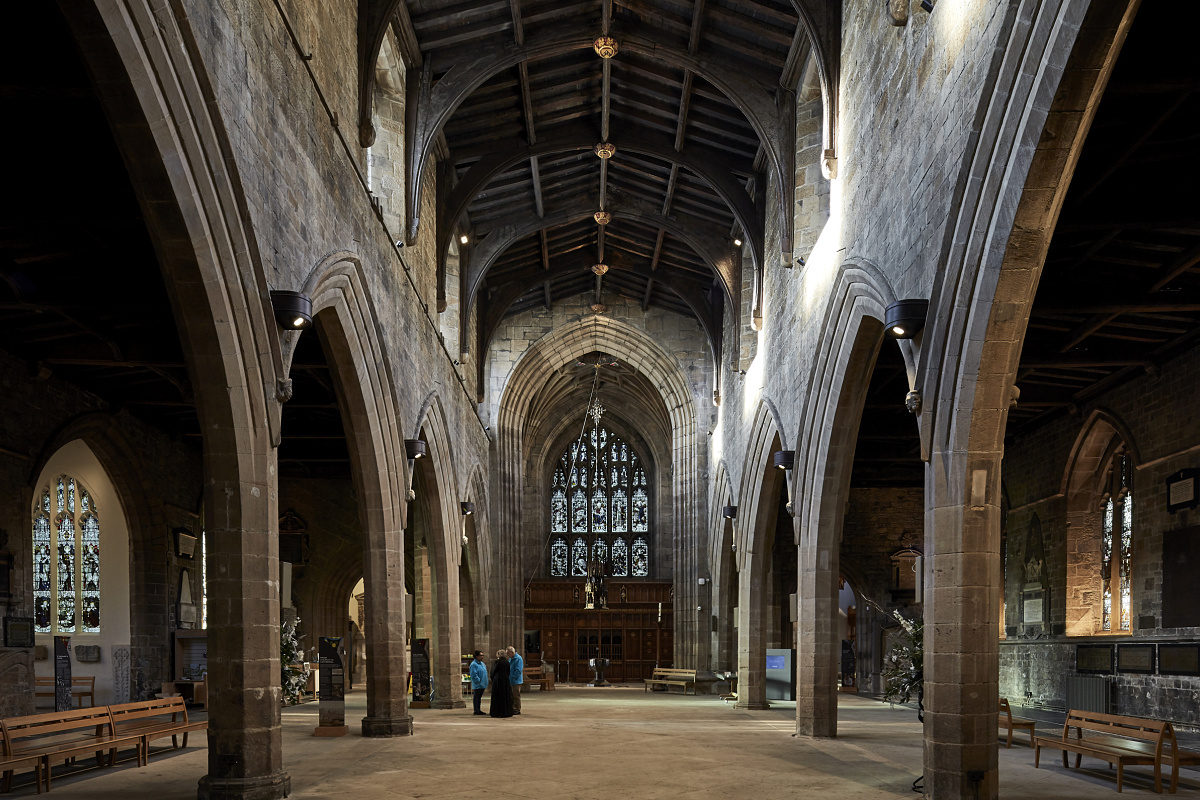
{"type": "Point", "coordinates": [1181, 490]}
{"type": "Point", "coordinates": [62, 673]}
{"type": "Point", "coordinates": [1094, 659]}
{"type": "Point", "coordinates": [1181, 574]}
{"type": "Point", "coordinates": [18, 631]}
{"type": "Point", "coordinates": [1179, 659]}
{"type": "Point", "coordinates": [332, 686]}
{"type": "Point", "coordinates": [1137, 658]}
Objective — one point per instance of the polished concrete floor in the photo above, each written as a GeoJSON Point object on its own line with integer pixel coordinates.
{"type": "Point", "coordinates": [578, 742]}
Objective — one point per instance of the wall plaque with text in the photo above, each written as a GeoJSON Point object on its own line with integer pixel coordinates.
{"type": "Point", "coordinates": [1137, 658]}
{"type": "Point", "coordinates": [1179, 659]}
{"type": "Point", "coordinates": [1094, 659]}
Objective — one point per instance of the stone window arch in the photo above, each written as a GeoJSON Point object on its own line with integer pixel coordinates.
{"type": "Point", "coordinates": [1100, 533]}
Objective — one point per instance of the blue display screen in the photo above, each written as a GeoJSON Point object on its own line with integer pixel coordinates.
{"type": "Point", "coordinates": [776, 662]}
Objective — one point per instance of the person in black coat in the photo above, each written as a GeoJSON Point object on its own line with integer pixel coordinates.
{"type": "Point", "coordinates": [502, 700]}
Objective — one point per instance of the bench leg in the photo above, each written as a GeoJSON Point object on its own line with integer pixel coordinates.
{"type": "Point", "coordinates": [185, 739]}
{"type": "Point", "coordinates": [174, 742]}
{"type": "Point", "coordinates": [1037, 755]}
{"type": "Point", "coordinates": [1120, 774]}
{"type": "Point", "coordinates": [1009, 744]}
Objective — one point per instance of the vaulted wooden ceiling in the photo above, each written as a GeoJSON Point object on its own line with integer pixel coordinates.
{"type": "Point", "coordinates": [520, 99]}
{"type": "Point", "coordinates": [1120, 291]}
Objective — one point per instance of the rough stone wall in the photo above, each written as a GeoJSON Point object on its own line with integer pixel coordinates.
{"type": "Point", "coordinates": [1161, 412]}
{"type": "Point", "coordinates": [32, 412]}
{"type": "Point", "coordinates": [320, 204]}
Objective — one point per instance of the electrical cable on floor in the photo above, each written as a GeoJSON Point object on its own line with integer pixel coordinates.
{"type": "Point", "coordinates": [574, 459]}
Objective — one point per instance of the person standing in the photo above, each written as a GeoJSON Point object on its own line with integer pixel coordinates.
{"type": "Point", "coordinates": [502, 700]}
{"type": "Point", "coordinates": [479, 680]}
{"type": "Point", "coordinates": [516, 676]}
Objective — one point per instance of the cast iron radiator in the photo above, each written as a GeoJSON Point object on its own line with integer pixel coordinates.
{"type": "Point", "coordinates": [1089, 693]}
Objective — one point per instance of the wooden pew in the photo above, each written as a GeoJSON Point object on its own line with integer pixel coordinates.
{"type": "Point", "coordinates": [665, 677]}
{"type": "Point", "coordinates": [81, 686]}
{"type": "Point", "coordinates": [536, 676]}
{"type": "Point", "coordinates": [1008, 721]}
{"type": "Point", "coordinates": [154, 719]}
{"type": "Point", "coordinates": [64, 735]}
{"type": "Point", "coordinates": [1124, 741]}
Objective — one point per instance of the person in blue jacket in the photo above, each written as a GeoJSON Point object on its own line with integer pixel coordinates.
{"type": "Point", "coordinates": [479, 680]}
{"type": "Point", "coordinates": [516, 676]}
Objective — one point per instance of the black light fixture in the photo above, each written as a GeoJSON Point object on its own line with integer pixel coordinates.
{"type": "Point", "coordinates": [785, 459]}
{"type": "Point", "coordinates": [468, 508]}
{"type": "Point", "coordinates": [729, 512]}
{"type": "Point", "coordinates": [414, 449]}
{"type": "Point", "coordinates": [904, 319]}
{"type": "Point", "coordinates": [927, 6]}
{"type": "Point", "coordinates": [293, 310]}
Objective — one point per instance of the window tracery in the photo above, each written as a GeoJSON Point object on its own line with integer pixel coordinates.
{"type": "Point", "coordinates": [599, 491]}
{"type": "Point", "coordinates": [66, 581]}
{"type": "Point", "coordinates": [1116, 547]}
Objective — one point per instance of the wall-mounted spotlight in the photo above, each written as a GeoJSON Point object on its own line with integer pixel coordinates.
{"type": "Point", "coordinates": [415, 448]}
{"type": "Point", "coordinates": [729, 512]}
{"type": "Point", "coordinates": [799, 262]}
{"type": "Point", "coordinates": [927, 6]}
{"type": "Point", "coordinates": [468, 508]}
{"type": "Point", "coordinates": [737, 242]}
{"type": "Point", "coordinates": [293, 310]}
{"type": "Point", "coordinates": [904, 319]}
{"type": "Point", "coordinates": [463, 239]}
{"type": "Point", "coordinates": [786, 461]}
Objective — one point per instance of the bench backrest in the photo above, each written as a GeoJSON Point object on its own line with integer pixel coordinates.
{"type": "Point", "coordinates": [667, 672]}
{"type": "Point", "coordinates": [127, 712]}
{"type": "Point", "coordinates": [1005, 711]}
{"type": "Point", "coordinates": [1150, 730]}
{"type": "Point", "coordinates": [82, 680]}
{"type": "Point", "coordinates": [18, 728]}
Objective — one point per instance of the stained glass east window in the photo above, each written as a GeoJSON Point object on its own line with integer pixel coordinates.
{"type": "Point", "coordinates": [66, 560]}
{"type": "Point", "coordinates": [599, 493]}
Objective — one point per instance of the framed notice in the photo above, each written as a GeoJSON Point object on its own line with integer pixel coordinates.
{"type": "Point", "coordinates": [1179, 659]}
{"type": "Point", "coordinates": [1094, 659]}
{"type": "Point", "coordinates": [1181, 573]}
{"type": "Point", "coordinates": [1137, 658]}
{"type": "Point", "coordinates": [1181, 490]}
{"type": "Point", "coordinates": [18, 631]}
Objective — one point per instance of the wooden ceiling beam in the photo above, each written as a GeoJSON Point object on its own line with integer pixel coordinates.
{"type": "Point", "coordinates": [1176, 268]}
{"type": "Point", "coordinates": [535, 172]}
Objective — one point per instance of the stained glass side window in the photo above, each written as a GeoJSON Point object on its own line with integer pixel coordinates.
{"type": "Point", "coordinates": [41, 567]}
{"type": "Point", "coordinates": [641, 558]}
{"type": "Point", "coordinates": [558, 511]}
{"type": "Point", "coordinates": [89, 572]}
{"type": "Point", "coordinates": [579, 558]}
{"type": "Point", "coordinates": [1126, 547]}
{"type": "Point", "coordinates": [600, 551]}
{"type": "Point", "coordinates": [66, 560]}
{"type": "Point", "coordinates": [579, 521]}
{"type": "Point", "coordinates": [620, 558]}
{"type": "Point", "coordinates": [641, 511]}
{"type": "Point", "coordinates": [66, 574]}
{"type": "Point", "coordinates": [620, 512]}
{"type": "Point", "coordinates": [1106, 543]}
{"type": "Point", "coordinates": [558, 558]}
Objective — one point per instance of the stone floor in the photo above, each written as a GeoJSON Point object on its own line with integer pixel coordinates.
{"type": "Point", "coordinates": [578, 742]}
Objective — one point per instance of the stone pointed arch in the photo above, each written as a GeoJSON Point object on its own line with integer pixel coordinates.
{"type": "Point", "coordinates": [158, 97]}
{"type": "Point", "coordinates": [553, 351]}
{"type": "Point", "coordinates": [439, 477]}
{"type": "Point", "coordinates": [823, 27]}
{"type": "Point", "coordinates": [478, 550]}
{"type": "Point", "coordinates": [1100, 421]}
{"type": "Point", "coordinates": [145, 519]}
{"type": "Point", "coordinates": [758, 499]}
{"type": "Point", "coordinates": [722, 572]}
{"type": "Point", "coordinates": [361, 368]}
{"type": "Point", "coordinates": [970, 353]}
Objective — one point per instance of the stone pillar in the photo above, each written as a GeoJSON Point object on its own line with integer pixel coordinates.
{"type": "Point", "coordinates": [961, 613]}
{"type": "Point", "coordinates": [447, 638]}
{"type": "Point", "coordinates": [818, 641]}
{"type": "Point", "coordinates": [384, 628]}
{"type": "Point", "coordinates": [245, 756]}
{"type": "Point", "coordinates": [752, 653]}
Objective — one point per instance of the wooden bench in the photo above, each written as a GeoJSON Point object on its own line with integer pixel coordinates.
{"type": "Point", "coordinates": [81, 687]}
{"type": "Point", "coordinates": [1124, 741]}
{"type": "Point", "coordinates": [665, 677]}
{"type": "Point", "coordinates": [154, 719]}
{"type": "Point", "coordinates": [64, 735]}
{"type": "Point", "coordinates": [10, 763]}
{"type": "Point", "coordinates": [1008, 721]}
{"type": "Point", "coordinates": [535, 676]}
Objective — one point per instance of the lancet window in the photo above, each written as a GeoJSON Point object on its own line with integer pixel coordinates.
{"type": "Point", "coordinates": [599, 496]}
{"type": "Point", "coordinates": [1116, 546]}
{"type": "Point", "coordinates": [66, 560]}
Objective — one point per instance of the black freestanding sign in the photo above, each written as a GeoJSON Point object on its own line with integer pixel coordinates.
{"type": "Point", "coordinates": [332, 686]}
{"type": "Point", "coordinates": [62, 673]}
{"type": "Point", "coordinates": [420, 673]}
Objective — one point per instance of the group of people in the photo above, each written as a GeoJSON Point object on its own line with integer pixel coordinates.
{"type": "Point", "coordinates": [508, 673]}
